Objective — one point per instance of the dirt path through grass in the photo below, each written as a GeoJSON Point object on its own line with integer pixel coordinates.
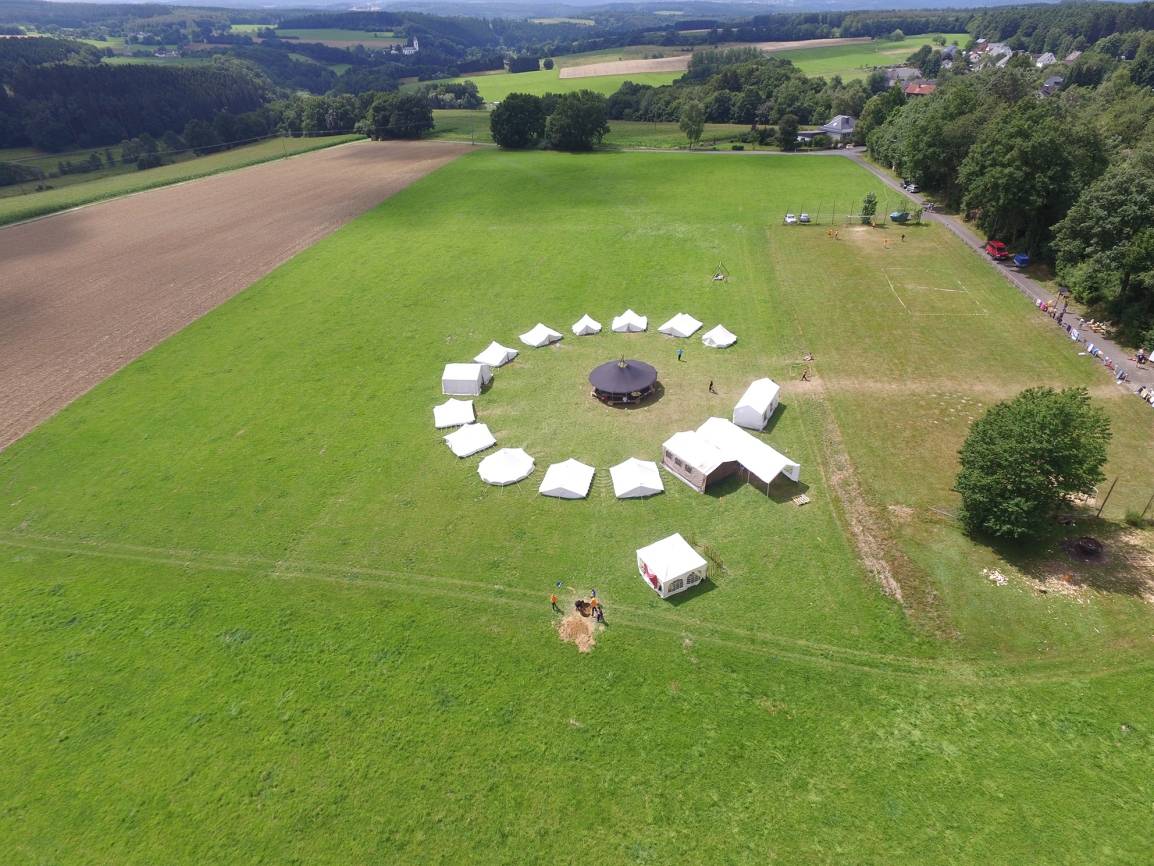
{"type": "Point", "coordinates": [84, 292]}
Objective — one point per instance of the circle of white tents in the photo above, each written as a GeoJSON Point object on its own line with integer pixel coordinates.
{"type": "Point", "coordinates": [507, 466]}
{"type": "Point", "coordinates": [630, 322]}
{"type": "Point", "coordinates": [496, 355]}
{"type": "Point", "coordinates": [681, 325]}
{"type": "Point", "coordinates": [540, 335]}
{"type": "Point", "coordinates": [585, 326]}
{"type": "Point", "coordinates": [453, 413]}
{"type": "Point", "coordinates": [636, 479]}
{"type": "Point", "coordinates": [468, 440]}
{"type": "Point", "coordinates": [719, 338]}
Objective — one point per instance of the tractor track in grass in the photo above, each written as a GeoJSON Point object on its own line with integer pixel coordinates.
{"type": "Point", "coordinates": [86, 291]}
{"type": "Point", "coordinates": [796, 650]}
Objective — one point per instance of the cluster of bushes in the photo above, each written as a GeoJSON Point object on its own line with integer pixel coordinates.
{"type": "Point", "coordinates": [569, 121]}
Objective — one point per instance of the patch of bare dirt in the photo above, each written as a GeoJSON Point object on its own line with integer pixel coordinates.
{"type": "Point", "coordinates": [1125, 566]}
{"type": "Point", "coordinates": [84, 292]}
{"type": "Point", "coordinates": [900, 513]}
{"type": "Point", "coordinates": [579, 630]}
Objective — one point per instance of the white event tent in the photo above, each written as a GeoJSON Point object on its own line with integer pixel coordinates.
{"type": "Point", "coordinates": [586, 325]}
{"type": "Point", "coordinates": [757, 404]}
{"type": "Point", "coordinates": [470, 439]}
{"type": "Point", "coordinates": [496, 355]}
{"type": "Point", "coordinates": [507, 466]}
{"type": "Point", "coordinates": [681, 325]}
{"type": "Point", "coordinates": [540, 335]}
{"type": "Point", "coordinates": [570, 479]}
{"type": "Point", "coordinates": [719, 338]}
{"type": "Point", "coordinates": [671, 565]}
{"type": "Point", "coordinates": [453, 413]}
{"type": "Point", "coordinates": [634, 479]}
{"type": "Point", "coordinates": [630, 323]}
{"type": "Point", "coordinates": [465, 380]}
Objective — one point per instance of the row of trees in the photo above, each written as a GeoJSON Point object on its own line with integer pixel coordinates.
{"type": "Point", "coordinates": [570, 121]}
{"type": "Point", "coordinates": [1069, 177]}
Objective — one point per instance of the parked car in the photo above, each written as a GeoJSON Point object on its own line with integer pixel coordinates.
{"type": "Point", "coordinates": [997, 251]}
{"type": "Point", "coordinates": [804, 218]}
{"type": "Point", "coordinates": [790, 219]}
{"type": "Point", "coordinates": [1021, 260]}
{"type": "Point", "coordinates": [900, 216]}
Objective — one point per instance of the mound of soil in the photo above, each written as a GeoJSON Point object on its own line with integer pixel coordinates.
{"type": "Point", "coordinates": [579, 630]}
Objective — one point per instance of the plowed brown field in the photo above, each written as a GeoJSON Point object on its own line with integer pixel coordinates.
{"type": "Point", "coordinates": [84, 292]}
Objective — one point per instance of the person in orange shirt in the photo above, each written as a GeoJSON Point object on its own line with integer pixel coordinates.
{"type": "Point", "coordinates": [553, 602]}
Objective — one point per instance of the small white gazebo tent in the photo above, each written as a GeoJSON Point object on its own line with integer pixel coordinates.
{"type": "Point", "coordinates": [507, 466]}
{"type": "Point", "coordinates": [465, 380]}
{"type": "Point", "coordinates": [634, 479]}
{"type": "Point", "coordinates": [570, 479]}
{"type": "Point", "coordinates": [453, 413]}
{"type": "Point", "coordinates": [719, 338]}
{"type": "Point", "coordinates": [496, 355]}
{"type": "Point", "coordinates": [470, 439]}
{"type": "Point", "coordinates": [630, 323]}
{"type": "Point", "coordinates": [671, 566]}
{"type": "Point", "coordinates": [585, 326]}
{"type": "Point", "coordinates": [540, 335]}
{"type": "Point", "coordinates": [756, 404]}
{"type": "Point", "coordinates": [681, 325]}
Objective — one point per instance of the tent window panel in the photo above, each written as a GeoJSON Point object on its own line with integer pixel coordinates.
{"type": "Point", "coordinates": [692, 578]}
{"type": "Point", "coordinates": [675, 585]}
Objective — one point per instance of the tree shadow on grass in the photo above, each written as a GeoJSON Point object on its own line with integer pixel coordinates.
{"type": "Point", "coordinates": [1125, 565]}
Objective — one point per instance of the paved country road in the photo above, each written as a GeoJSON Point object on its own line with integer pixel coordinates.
{"type": "Point", "coordinates": [84, 292]}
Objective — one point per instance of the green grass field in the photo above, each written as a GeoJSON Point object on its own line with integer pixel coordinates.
{"type": "Point", "coordinates": [856, 61]}
{"type": "Point", "coordinates": [252, 609]}
{"type": "Point", "coordinates": [385, 37]}
{"type": "Point", "coordinates": [495, 87]}
{"type": "Point", "coordinates": [77, 189]}
{"type": "Point", "coordinates": [464, 125]}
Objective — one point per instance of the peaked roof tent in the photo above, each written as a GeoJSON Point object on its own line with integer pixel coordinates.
{"type": "Point", "coordinates": [540, 335]}
{"type": "Point", "coordinates": [585, 326]}
{"type": "Point", "coordinates": [630, 322]}
{"type": "Point", "coordinates": [719, 338]}
{"type": "Point", "coordinates": [671, 565]}
{"type": "Point", "coordinates": [569, 479]}
{"type": "Point", "coordinates": [757, 404]}
{"type": "Point", "coordinates": [756, 456]}
{"type": "Point", "coordinates": [681, 325]}
{"type": "Point", "coordinates": [504, 467]}
{"type": "Point", "coordinates": [633, 479]}
{"type": "Point", "coordinates": [470, 439]}
{"type": "Point", "coordinates": [623, 377]}
{"type": "Point", "coordinates": [453, 413]}
{"type": "Point", "coordinates": [496, 355]}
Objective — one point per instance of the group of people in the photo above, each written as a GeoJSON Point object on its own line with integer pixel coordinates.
{"type": "Point", "coordinates": [591, 607]}
{"type": "Point", "coordinates": [1057, 312]}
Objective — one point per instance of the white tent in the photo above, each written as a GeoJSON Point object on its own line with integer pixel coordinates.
{"type": "Point", "coordinates": [670, 566]}
{"type": "Point", "coordinates": [496, 355]}
{"type": "Point", "coordinates": [453, 413]}
{"type": "Point", "coordinates": [630, 323]}
{"type": "Point", "coordinates": [465, 380]}
{"type": "Point", "coordinates": [636, 478]}
{"type": "Point", "coordinates": [568, 480]}
{"type": "Point", "coordinates": [540, 335]}
{"type": "Point", "coordinates": [756, 404]}
{"type": "Point", "coordinates": [719, 338]}
{"type": "Point", "coordinates": [586, 325]}
{"type": "Point", "coordinates": [681, 325]}
{"type": "Point", "coordinates": [756, 457]}
{"type": "Point", "coordinates": [470, 439]}
{"type": "Point", "coordinates": [507, 466]}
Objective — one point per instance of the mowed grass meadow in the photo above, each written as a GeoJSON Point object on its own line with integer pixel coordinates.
{"type": "Point", "coordinates": [253, 609]}
{"type": "Point", "coordinates": [857, 61]}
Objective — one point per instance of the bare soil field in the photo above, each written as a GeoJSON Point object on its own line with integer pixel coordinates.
{"type": "Point", "coordinates": [84, 292]}
{"type": "Point", "coordinates": [681, 61]}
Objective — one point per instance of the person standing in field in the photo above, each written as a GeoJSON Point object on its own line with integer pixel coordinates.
{"type": "Point", "coordinates": [553, 602]}
{"type": "Point", "coordinates": [680, 354]}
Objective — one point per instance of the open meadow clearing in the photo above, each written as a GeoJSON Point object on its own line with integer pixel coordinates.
{"type": "Point", "coordinates": [251, 603]}
{"type": "Point", "coordinates": [857, 60]}
{"type": "Point", "coordinates": [494, 87]}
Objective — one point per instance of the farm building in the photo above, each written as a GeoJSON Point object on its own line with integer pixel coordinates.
{"type": "Point", "coordinates": [718, 449]}
{"type": "Point", "coordinates": [921, 89]}
{"type": "Point", "coordinates": [671, 565]}
{"type": "Point", "coordinates": [839, 129]}
{"type": "Point", "coordinates": [757, 404]}
{"type": "Point", "coordinates": [465, 380]}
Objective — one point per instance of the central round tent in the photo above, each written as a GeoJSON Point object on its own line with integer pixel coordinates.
{"type": "Point", "coordinates": [623, 381]}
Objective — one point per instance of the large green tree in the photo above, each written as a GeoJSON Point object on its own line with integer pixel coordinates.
{"type": "Point", "coordinates": [1025, 456]}
{"type": "Point", "coordinates": [692, 121]}
{"type": "Point", "coordinates": [519, 121]}
{"type": "Point", "coordinates": [579, 121]}
{"type": "Point", "coordinates": [399, 115]}
{"type": "Point", "coordinates": [1026, 169]}
{"type": "Point", "coordinates": [787, 132]}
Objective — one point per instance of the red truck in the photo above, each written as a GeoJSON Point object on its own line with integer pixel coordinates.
{"type": "Point", "coordinates": [997, 251]}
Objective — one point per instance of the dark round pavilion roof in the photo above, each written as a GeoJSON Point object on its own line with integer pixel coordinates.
{"type": "Point", "coordinates": [623, 377]}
